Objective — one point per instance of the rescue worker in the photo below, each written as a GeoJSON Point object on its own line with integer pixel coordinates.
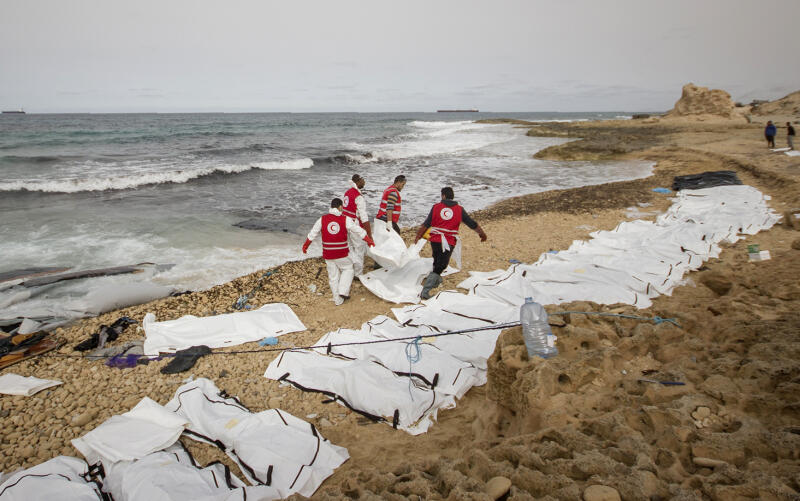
{"type": "Point", "coordinates": [335, 227]}
{"type": "Point", "coordinates": [443, 220]}
{"type": "Point", "coordinates": [391, 205]}
{"type": "Point", "coordinates": [356, 208]}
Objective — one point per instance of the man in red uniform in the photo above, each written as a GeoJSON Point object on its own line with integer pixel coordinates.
{"type": "Point", "coordinates": [335, 227]}
{"type": "Point", "coordinates": [391, 205]}
{"type": "Point", "coordinates": [444, 220]}
{"type": "Point", "coordinates": [356, 208]}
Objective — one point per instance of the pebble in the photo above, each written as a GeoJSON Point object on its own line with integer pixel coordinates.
{"type": "Point", "coordinates": [497, 487]}
{"type": "Point", "coordinates": [600, 493]}
{"type": "Point", "coordinates": [83, 419]}
{"type": "Point", "coordinates": [683, 433]}
{"type": "Point", "coordinates": [708, 462]}
{"type": "Point", "coordinates": [27, 452]}
{"type": "Point", "coordinates": [701, 413]}
{"type": "Point", "coordinates": [324, 423]}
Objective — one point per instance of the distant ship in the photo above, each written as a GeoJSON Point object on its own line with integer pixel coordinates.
{"type": "Point", "coordinates": [456, 111]}
{"type": "Point", "coordinates": [15, 112]}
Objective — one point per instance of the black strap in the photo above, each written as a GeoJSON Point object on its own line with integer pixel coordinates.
{"type": "Point", "coordinates": [396, 418]}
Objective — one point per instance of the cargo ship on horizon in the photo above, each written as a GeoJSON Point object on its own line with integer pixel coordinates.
{"type": "Point", "coordinates": [456, 111]}
{"type": "Point", "coordinates": [14, 112]}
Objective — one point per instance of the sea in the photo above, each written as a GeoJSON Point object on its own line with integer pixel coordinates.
{"type": "Point", "coordinates": [210, 197]}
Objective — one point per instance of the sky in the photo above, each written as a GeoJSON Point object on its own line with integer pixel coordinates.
{"type": "Point", "coordinates": [376, 55]}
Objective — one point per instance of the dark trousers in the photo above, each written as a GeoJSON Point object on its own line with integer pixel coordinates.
{"type": "Point", "coordinates": [771, 141]}
{"type": "Point", "coordinates": [441, 258]}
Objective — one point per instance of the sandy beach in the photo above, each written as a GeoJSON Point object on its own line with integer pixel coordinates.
{"type": "Point", "coordinates": [552, 427]}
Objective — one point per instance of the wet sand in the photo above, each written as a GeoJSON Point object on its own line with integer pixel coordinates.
{"type": "Point", "coordinates": [554, 427]}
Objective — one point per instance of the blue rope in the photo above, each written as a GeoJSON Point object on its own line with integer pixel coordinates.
{"type": "Point", "coordinates": [241, 303]}
{"type": "Point", "coordinates": [656, 320]}
{"type": "Point", "coordinates": [413, 357]}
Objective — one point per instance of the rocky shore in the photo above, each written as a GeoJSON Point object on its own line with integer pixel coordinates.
{"type": "Point", "coordinates": [582, 424]}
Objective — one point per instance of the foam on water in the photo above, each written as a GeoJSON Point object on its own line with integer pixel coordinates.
{"type": "Point", "coordinates": [84, 182]}
{"type": "Point", "coordinates": [434, 139]}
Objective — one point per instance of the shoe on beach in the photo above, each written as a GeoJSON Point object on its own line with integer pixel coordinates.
{"type": "Point", "coordinates": [338, 300]}
{"type": "Point", "coordinates": [432, 281]}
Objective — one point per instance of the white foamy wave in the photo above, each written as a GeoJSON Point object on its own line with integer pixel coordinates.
{"type": "Point", "coordinates": [443, 138]}
{"type": "Point", "coordinates": [124, 182]}
{"type": "Point", "coordinates": [439, 125]}
{"type": "Point", "coordinates": [301, 163]}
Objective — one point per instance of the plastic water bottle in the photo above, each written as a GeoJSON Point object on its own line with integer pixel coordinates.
{"type": "Point", "coordinates": [539, 339]}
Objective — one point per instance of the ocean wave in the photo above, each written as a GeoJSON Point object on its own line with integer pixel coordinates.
{"type": "Point", "coordinates": [300, 163]}
{"type": "Point", "coordinates": [436, 138]}
{"type": "Point", "coordinates": [34, 159]}
{"type": "Point", "coordinates": [75, 185]}
{"type": "Point", "coordinates": [439, 124]}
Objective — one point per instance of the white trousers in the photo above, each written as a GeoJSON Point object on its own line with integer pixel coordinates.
{"type": "Point", "coordinates": [340, 276]}
{"type": "Point", "coordinates": [358, 247]}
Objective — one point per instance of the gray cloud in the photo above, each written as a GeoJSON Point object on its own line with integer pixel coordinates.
{"type": "Point", "coordinates": [507, 55]}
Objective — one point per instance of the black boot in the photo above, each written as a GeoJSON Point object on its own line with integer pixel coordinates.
{"type": "Point", "coordinates": [432, 281]}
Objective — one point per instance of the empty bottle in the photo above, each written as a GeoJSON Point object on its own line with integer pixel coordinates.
{"type": "Point", "coordinates": [539, 339]}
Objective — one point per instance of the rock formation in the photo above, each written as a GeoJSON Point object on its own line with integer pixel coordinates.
{"type": "Point", "coordinates": [786, 106]}
{"type": "Point", "coordinates": [698, 101]}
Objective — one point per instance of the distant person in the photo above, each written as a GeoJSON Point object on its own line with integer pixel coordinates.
{"type": "Point", "coordinates": [769, 132]}
{"type": "Point", "coordinates": [443, 220]}
{"type": "Point", "coordinates": [335, 228]}
{"type": "Point", "coordinates": [389, 210]}
{"type": "Point", "coordinates": [355, 208]}
{"type": "Point", "coordinates": [790, 135]}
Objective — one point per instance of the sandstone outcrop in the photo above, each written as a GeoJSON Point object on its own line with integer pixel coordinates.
{"type": "Point", "coordinates": [699, 101]}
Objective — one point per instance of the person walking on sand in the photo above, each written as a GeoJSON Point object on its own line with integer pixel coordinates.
{"type": "Point", "coordinates": [769, 132]}
{"type": "Point", "coordinates": [443, 220]}
{"type": "Point", "coordinates": [335, 228]}
{"type": "Point", "coordinates": [391, 205]}
{"type": "Point", "coordinates": [355, 208]}
{"type": "Point", "coordinates": [790, 135]}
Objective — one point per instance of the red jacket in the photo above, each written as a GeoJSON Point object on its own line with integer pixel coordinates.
{"type": "Point", "coordinates": [395, 209]}
{"type": "Point", "coordinates": [445, 221]}
{"type": "Point", "coordinates": [334, 236]}
{"type": "Point", "coordinates": [349, 208]}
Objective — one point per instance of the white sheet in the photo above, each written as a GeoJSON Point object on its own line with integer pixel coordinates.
{"type": "Point", "coordinates": [60, 478]}
{"type": "Point", "coordinates": [270, 447]}
{"type": "Point", "coordinates": [638, 260]}
{"type": "Point", "coordinates": [364, 386]}
{"type": "Point", "coordinates": [230, 329]}
{"type": "Point", "coordinates": [146, 428]}
{"type": "Point", "coordinates": [390, 250]}
{"type": "Point", "coordinates": [171, 475]}
{"type": "Point", "coordinates": [452, 376]}
{"type": "Point", "coordinates": [14, 384]}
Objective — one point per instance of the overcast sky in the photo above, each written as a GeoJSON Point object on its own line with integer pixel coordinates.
{"type": "Point", "coordinates": [376, 55]}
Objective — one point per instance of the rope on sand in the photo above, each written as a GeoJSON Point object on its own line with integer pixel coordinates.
{"type": "Point", "coordinates": [241, 303]}
{"type": "Point", "coordinates": [656, 319]}
{"type": "Point", "coordinates": [414, 340]}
